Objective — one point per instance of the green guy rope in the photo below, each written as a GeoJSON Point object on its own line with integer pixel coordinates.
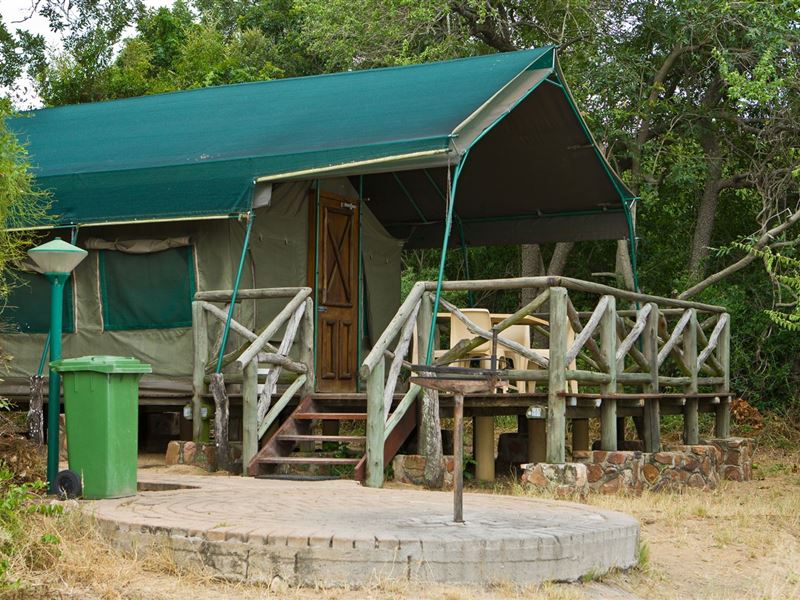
{"type": "Point", "coordinates": [250, 219]}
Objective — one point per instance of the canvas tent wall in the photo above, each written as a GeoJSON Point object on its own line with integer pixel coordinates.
{"type": "Point", "coordinates": [132, 295]}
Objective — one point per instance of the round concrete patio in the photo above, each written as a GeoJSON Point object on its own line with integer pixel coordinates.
{"type": "Point", "coordinates": [331, 533]}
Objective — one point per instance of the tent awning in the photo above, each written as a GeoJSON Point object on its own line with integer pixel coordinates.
{"type": "Point", "coordinates": [197, 153]}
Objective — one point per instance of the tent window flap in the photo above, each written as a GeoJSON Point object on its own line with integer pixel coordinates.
{"type": "Point", "coordinates": [147, 291]}
{"type": "Point", "coordinates": [27, 309]}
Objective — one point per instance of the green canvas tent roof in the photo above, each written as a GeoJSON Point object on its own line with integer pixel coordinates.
{"type": "Point", "coordinates": [196, 154]}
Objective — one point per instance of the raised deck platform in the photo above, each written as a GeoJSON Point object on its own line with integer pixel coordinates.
{"type": "Point", "coordinates": [335, 533]}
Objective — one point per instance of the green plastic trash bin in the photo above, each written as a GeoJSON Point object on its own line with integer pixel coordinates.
{"type": "Point", "coordinates": [101, 401]}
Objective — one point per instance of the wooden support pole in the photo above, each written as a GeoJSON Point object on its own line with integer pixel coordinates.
{"type": "Point", "coordinates": [608, 344]}
{"type": "Point", "coordinates": [249, 413]}
{"type": "Point", "coordinates": [722, 422]}
{"type": "Point", "coordinates": [221, 421]}
{"type": "Point", "coordinates": [652, 408]}
{"type": "Point", "coordinates": [580, 434]}
{"type": "Point", "coordinates": [307, 345]}
{"type": "Point", "coordinates": [375, 425]}
{"type": "Point", "coordinates": [424, 317]}
{"type": "Point", "coordinates": [200, 360]}
{"type": "Point", "coordinates": [691, 424]}
{"type": "Point", "coordinates": [431, 440]}
{"type": "Point", "coordinates": [429, 433]}
{"type": "Point", "coordinates": [557, 380]}
{"type": "Point", "coordinates": [537, 446]}
{"type": "Point", "coordinates": [484, 448]}
{"type": "Point", "coordinates": [458, 458]}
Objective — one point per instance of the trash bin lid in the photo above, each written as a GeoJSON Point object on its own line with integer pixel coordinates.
{"type": "Point", "coordinates": [102, 364]}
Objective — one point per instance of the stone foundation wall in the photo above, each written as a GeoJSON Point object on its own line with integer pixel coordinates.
{"type": "Point", "coordinates": [569, 479]}
{"type": "Point", "coordinates": [409, 468]}
{"type": "Point", "coordinates": [191, 453]}
{"type": "Point", "coordinates": [685, 466]}
{"type": "Point", "coordinates": [734, 458]}
{"type": "Point", "coordinates": [201, 455]}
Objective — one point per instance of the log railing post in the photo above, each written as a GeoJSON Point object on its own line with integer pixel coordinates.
{"type": "Point", "coordinates": [307, 345]}
{"type": "Point", "coordinates": [249, 413]}
{"type": "Point", "coordinates": [608, 346]}
{"type": "Point", "coordinates": [691, 425]}
{"type": "Point", "coordinates": [722, 423]}
{"type": "Point", "coordinates": [556, 402]}
{"type": "Point", "coordinates": [429, 431]}
{"type": "Point", "coordinates": [376, 424]}
{"type": "Point", "coordinates": [652, 406]}
{"type": "Point", "coordinates": [200, 336]}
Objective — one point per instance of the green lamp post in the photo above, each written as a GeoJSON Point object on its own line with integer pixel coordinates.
{"type": "Point", "coordinates": [56, 259]}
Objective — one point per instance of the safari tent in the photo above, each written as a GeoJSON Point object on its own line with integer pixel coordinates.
{"type": "Point", "coordinates": [327, 177]}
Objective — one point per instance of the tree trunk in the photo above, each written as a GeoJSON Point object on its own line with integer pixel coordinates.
{"type": "Point", "coordinates": [558, 262]}
{"type": "Point", "coordinates": [623, 267]}
{"type": "Point", "coordinates": [706, 214]}
{"type": "Point", "coordinates": [532, 266]}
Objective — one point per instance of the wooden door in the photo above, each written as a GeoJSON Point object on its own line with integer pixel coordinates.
{"type": "Point", "coordinates": [337, 294]}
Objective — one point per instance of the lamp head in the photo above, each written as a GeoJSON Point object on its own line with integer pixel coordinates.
{"type": "Point", "coordinates": [57, 256]}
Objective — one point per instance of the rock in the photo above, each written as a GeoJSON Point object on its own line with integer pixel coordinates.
{"type": "Point", "coordinates": [611, 487]}
{"type": "Point", "coordinates": [594, 473]}
{"type": "Point", "coordinates": [189, 451]}
{"type": "Point", "coordinates": [616, 458]}
{"type": "Point", "coordinates": [650, 473]}
{"type": "Point", "coordinates": [278, 586]}
{"type": "Point", "coordinates": [696, 481]}
{"type": "Point", "coordinates": [665, 458]}
{"type": "Point", "coordinates": [536, 477]}
{"type": "Point", "coordinates": [173, 453]}
{"type": "Point", "coordinates": [732, 473]}
{"type": "Point", "coordinates": [690, 463]}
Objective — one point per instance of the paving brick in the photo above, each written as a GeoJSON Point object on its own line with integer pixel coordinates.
{"type": "Point", "coordinates": [339, 533]}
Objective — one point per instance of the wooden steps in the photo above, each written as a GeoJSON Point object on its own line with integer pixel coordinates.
{"type": "Point", "coordinates": [322, 438]}
{"type": "Point", "coordinates": [330, 416]}
{"type": "Point", "coordinates": [308, 460]}
{"type": "Point", "coordinates": [295, 448]}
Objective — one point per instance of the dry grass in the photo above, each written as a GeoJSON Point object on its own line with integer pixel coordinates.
{"type": "Point", "coordinates": [739, 542]}
{"type": "Point", "coordinates": [84, 566]}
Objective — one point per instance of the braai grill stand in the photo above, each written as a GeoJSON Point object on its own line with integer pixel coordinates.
{"type": "Point", "coordinates": [459, 381]}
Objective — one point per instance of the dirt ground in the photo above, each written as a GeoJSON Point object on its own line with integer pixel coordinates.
{"type": "Point", "coordinates": [741, 541]}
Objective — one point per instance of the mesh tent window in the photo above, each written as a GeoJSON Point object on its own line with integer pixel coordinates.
{"type": "Point", "coordinates": [147, 291]}
{"type": "Point", "coordinates": [27, 308]}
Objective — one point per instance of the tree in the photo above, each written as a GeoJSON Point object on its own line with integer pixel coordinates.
{"type": "Point", "coordinates": [20, 203]}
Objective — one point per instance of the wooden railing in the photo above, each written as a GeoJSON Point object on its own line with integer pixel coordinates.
{"type": "Point", "coordinates": [656, 350]}
{"type": "Point", "coordinates": [256, 359]}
